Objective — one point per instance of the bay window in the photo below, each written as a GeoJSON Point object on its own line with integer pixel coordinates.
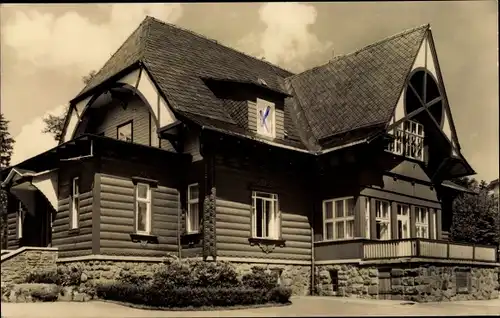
{"type": "Point", "coordinates": [383, 219]}
{"type": "Point", "coordinates": [422, 222]}
{"type": "Point", "coordinates": [266, 220]}
{"type": "Point", "coordinates": [338, 219]}
{"type": "Point", "coordinates": [408, 140]}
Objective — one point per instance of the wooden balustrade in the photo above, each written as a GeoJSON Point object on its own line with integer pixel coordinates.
{"type": "Point", "coordinates": [426, 248]}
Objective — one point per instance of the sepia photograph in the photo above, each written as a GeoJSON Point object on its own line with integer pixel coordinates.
{"type": "Point", "coordinates": [253, 159]}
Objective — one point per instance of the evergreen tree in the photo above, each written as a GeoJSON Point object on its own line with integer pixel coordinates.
{"type": "Point", "coordinates": [6, 149]}
{"type": "Point", "coordinates": [54, 125]}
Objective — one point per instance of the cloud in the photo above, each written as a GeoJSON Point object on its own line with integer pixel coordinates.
{"type": "Point", "coordinates": [71, 40]}
{"type": "Point", "coordinates": [286, 39]}
{"type": "Point", "coordinates": [31, 141]}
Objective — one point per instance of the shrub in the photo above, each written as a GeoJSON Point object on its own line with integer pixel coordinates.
{"type": "Point", "coordinates": [45, 295]}
{"type": "Point", "coordinates": [127, 276]}
{"type": "Point", "coordinates": [195, 273]}
{"type": "Point", "coordinates": [259, 278]}
{"type": "Point", "coordinates": [280, 295]}
{"type": "Point", "coordinates": [61, 277]}
{"type": "Point", "coordinates": [44, 277]}
{"type": "Point", "coordinates": [183, 296]}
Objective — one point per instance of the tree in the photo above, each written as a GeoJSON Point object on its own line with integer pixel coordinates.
{"type": "Point", "coordinates": [476, 218]}
{"type": "Point", "coordinates": [54, 125]}
{"type": "Point", "coordinates": [6, 149]}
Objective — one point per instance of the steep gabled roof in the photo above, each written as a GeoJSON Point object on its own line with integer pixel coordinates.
{"type": "Point", "coordinates": [347, 99]}
{"type": "Point", "coordinates": [359, 89]}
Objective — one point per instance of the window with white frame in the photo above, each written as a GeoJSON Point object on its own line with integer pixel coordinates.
{"type": "Point", "coordinates": [193, 209]}
{"type": "Point", "coordinates": [338, 219]}
{"type": "Point", "coordinates": [20, 220]}
{"type": "Point", "coordinates": [266, 118]}
{"type": "Point", "coordinates": [75, 202]}
{"type": "Point", "coordinates": [408, 140]}
{"type": "Point", "coordinates": [124, 132]}
{"type": "Point", "coordinates": [265, 215]}
{"type": "Point", "coordinates": [383, 219]}
{"type": "Point", "coordinates": [403, 218]}
{"type": "Point", "coordinates": [422, 222]}
{"type": "Point", "coordinates": [142, 208]}
{"type": "Point", "coordinates": [367, 219]}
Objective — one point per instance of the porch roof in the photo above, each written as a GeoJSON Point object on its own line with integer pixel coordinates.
{"type": "Point", "coordinates": [81, 147]}
{"type": "Point", "coordinates": [457, 187]}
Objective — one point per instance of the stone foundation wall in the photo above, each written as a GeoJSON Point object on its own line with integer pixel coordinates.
{"type": "Point", "coordinates": [16, 268]}
{"type": "Point", "coordinates": [353, 280]}
{"type": "Point", "coordinates": [413, 282]}
{"type": "Point", "coordinates": [297, 277]}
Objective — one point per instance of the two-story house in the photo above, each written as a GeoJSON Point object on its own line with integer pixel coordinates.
{"type": "Point", "coordinates": [334, 178]}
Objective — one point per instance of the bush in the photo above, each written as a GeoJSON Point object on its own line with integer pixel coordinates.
{"type": "Point", "coordinates": [187, 296]}
{"type": "Point", "coordinates": [259, 279]}
{"type": "Point", "coordinates": [61, 277]}
{"type": "Point", "coordinates": [45, 295]}
{"type": "Point", "coordinates": [195, 273]}
{"type": "Point", "coordinates": [280, 295]}
{"type": "Point", "coordinates": [126, 276]}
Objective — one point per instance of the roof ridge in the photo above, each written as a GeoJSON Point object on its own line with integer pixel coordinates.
{"type": "Point", "coordinates": [217, 42]}
{"type": "Point", "coordinates": [384, 40]}
{"type": "Point", "coordinates": [142, 24]}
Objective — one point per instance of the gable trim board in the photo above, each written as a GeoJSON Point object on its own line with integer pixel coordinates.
{"type": "Point", "coordinates": [426, 59]}
{"type": "Point", "coordinates": [139, 83]}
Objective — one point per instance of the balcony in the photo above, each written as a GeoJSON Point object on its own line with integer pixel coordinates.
{"type": "Point", "coordinates": [371, 250]}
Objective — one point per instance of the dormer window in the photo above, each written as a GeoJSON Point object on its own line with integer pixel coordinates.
{"type": "Point", "coordinates": [266, 118]}
{"type": "Point", "coordinates": [408, 140]}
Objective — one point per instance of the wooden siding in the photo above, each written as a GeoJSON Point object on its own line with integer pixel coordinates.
{"type": "Point", "coordinates": [252, 119]}
{"type": "Point", "coordinates": [233, 206]}
{"type": "Point", "coordinates": [12, 241]}
{"type": "Point", "coordinates": [73, 244]}
{"type": "Point", "coordinates": [79, 242]}
{"type": "Point", "coordinates": [113, 115]}
{"type": "Point", "coordinates": [117, 219]}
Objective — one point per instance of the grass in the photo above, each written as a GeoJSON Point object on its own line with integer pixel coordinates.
{"type": "Point", "coordinates": [204, 308]}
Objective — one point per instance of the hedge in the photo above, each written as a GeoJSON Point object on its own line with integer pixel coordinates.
{"type": "Point", "coordinates": [191, 297]}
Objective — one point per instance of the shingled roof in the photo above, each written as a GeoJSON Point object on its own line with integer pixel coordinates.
{"type": "Point", "coordinates": [350, 92]}
{"type": "Point", "coordinates": [356, 90]}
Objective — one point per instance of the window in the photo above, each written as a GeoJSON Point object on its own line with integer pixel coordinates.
{"type": "Point", "coordinates": [338, 219]}
{"type": "Point", "coordinates": [334, 276]}
{"type": "Point", "coordinates": [265, 118]}
{"type": "Point", "coordinates": [403, 218]}
{"type": "Point", "coordinates": [265, 215]}
{"type": "Point", "coordinates": [20, 220]}
{"type": "Point", "coordinates": [142, 208]}
{"type": "Point", "coordinates": [193, 209]}
{"type": "Point", "coordinates": [408, 140]}
{"type": "Point", "coordinates": [434, 229]}
{"type": "Point", "coordinates": [383, 219]}
{"type": "Point", "coordinates": [462, 280]}
{"type": "Point", "coordinates": [75, 202]}
{"type": "Point", "coordinates": [124, 132]}
{"type": "Point", "coordinates": [367, 218]}
{"type": "Point", "coordinates": [422, 222]}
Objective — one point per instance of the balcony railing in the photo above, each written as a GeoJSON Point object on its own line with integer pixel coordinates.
{"type": "Point", "coordinates": [405, 248]}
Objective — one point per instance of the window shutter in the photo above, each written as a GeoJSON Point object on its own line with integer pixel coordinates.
{"type": "Point", "coordinates": [252, 216]}
{"type": "Point", "coordinates": [280, 220]}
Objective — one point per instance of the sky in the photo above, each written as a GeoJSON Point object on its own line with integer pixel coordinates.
{"type": "Point", "coordinates": [46, 49]}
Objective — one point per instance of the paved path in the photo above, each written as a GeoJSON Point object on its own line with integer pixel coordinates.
{"type": "Point", "coordinates": [302, 306]}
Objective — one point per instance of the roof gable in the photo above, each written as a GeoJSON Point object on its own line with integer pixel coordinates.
{"type": "Point", "coordinates": [359, 89]}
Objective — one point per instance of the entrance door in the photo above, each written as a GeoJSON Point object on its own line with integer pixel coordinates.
{"type": "Point", "coordinates": [403, 219]}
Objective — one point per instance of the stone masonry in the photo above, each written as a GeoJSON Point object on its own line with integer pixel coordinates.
{"type": "Point", "coordinates": [413, 282]}
{"type": "Point", "coordinates": [297, 277]}
{"type": "Point", "coordinates": [16, 268]}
